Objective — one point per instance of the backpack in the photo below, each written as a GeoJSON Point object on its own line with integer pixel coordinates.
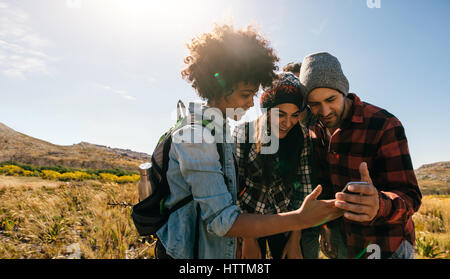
{"type": "Point", "coordinates": [149, 215]}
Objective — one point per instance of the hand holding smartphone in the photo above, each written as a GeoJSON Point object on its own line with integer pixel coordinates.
{"type": "Point", "coordinates": [347, 191]}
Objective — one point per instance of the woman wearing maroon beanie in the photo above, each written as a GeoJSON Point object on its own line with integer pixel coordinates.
{"type": "Point", "coordinates": [277, 182]}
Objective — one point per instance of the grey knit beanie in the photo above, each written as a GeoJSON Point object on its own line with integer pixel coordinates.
{"type": "Point", "coordinates": [323, 70]}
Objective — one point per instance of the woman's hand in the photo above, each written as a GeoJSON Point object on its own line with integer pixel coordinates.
{"type": "Point", "coordinates": [250, 249]}
{"type": "Point", "coordinates": [315, 212]}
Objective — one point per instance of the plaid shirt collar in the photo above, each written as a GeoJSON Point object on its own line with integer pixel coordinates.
{"type": "Point", "coordinates": [357, 108]}
{"type": "Point", "coordinates": [256, 197]}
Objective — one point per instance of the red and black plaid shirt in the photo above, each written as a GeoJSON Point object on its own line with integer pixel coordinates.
{"type": "Point", "coordinates": [373, 135]}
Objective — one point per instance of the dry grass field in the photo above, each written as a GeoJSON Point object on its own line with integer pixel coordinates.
{"type": "Point", "coordinates": [432, 224]}
{"type": "Point", "coordinates": [54, 220]}
{"type": "Point", "coordinates": [49, 219]}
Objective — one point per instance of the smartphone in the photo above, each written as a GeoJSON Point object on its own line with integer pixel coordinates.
{"type": "Point", "coordinates": [354, 183]}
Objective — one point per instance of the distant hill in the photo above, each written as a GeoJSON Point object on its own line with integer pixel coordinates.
{"type": "Point", "coordinates": [20, 148]}
{"type": "Point", "coordinates": [434, 178]}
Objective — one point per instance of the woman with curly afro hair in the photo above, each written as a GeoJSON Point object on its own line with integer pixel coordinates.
{"type": "Point", "coordinates": [229, 61]}
{"type": "Point", "coordinates": [226, 67]}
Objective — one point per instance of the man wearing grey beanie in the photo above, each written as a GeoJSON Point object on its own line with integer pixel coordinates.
{"type": "Point", "coordinates": [358, 142]}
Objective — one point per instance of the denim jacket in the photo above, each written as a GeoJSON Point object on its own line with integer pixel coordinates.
{"type": "Point", "coordinates": [194, 168]}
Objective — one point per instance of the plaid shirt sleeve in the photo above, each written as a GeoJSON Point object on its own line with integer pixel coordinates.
{"type": "Point", "coordinates": [399, 194]}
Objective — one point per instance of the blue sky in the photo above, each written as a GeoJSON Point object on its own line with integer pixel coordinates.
{"type": "Point", "coordinates": [108, 71]}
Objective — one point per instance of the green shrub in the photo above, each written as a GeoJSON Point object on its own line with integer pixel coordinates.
{"type": "Point", "coordinates": [107, 177]}
{"type": "Point", "coordinates": [66, 174]}
{"type": "Point", "coordinates": [427, 246]}
{"type": "Point", "coordinates": [77, 176]}
{"type": "Point", "coordinates": [11, 170]}
{"type": "Point", "coordinates": [59, 169]}
{"type": "Point", "coordinates": [128, 178]}
{"type": "Point", "coordinates": [50, 174]}
{"type": "Point", "coordinates": [8, 223]}
{"type": "Point", "coordinates": [30, 173]}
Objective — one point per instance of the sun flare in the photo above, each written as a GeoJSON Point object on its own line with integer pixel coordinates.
{"type": "Point", "coordinates": [167, 14]}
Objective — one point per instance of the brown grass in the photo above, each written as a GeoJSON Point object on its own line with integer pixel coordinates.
{"type": "Point", "coordinates": [39, 221]}
{"type": "Point", "coordinates": [432, 224]}
{"type": "Point", "coordinates": [32, 182]}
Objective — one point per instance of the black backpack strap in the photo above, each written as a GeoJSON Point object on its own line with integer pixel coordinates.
{"type": "Point", "coordinates": [165, 167]}
{"type": "Point", "coordinates": [221, 155]}
{"type": "Point", "coordinates": [181, 203]}
{"type": "Point", "coordinates": [165, 163]}
{"type": "Point", "coordinates": [197, 232]}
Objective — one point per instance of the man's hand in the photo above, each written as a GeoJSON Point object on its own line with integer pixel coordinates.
{"type": "Point", "coordinates": [362, 206]}
{"type": "Point", "coordinates": [315, 212]}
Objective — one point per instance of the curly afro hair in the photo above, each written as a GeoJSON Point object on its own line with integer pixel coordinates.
{"type": "Point", "coordinates": [221, 59]}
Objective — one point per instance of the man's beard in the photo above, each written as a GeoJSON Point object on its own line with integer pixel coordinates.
{"type": "Point", "coordinates": [339, 117]}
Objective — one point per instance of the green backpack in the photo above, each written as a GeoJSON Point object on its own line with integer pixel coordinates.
{"type": "Point", "coordinates": [149, 215]}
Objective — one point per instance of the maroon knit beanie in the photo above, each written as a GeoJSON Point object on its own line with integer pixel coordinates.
{"type": "Point", "coordinates": [286, 89]}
